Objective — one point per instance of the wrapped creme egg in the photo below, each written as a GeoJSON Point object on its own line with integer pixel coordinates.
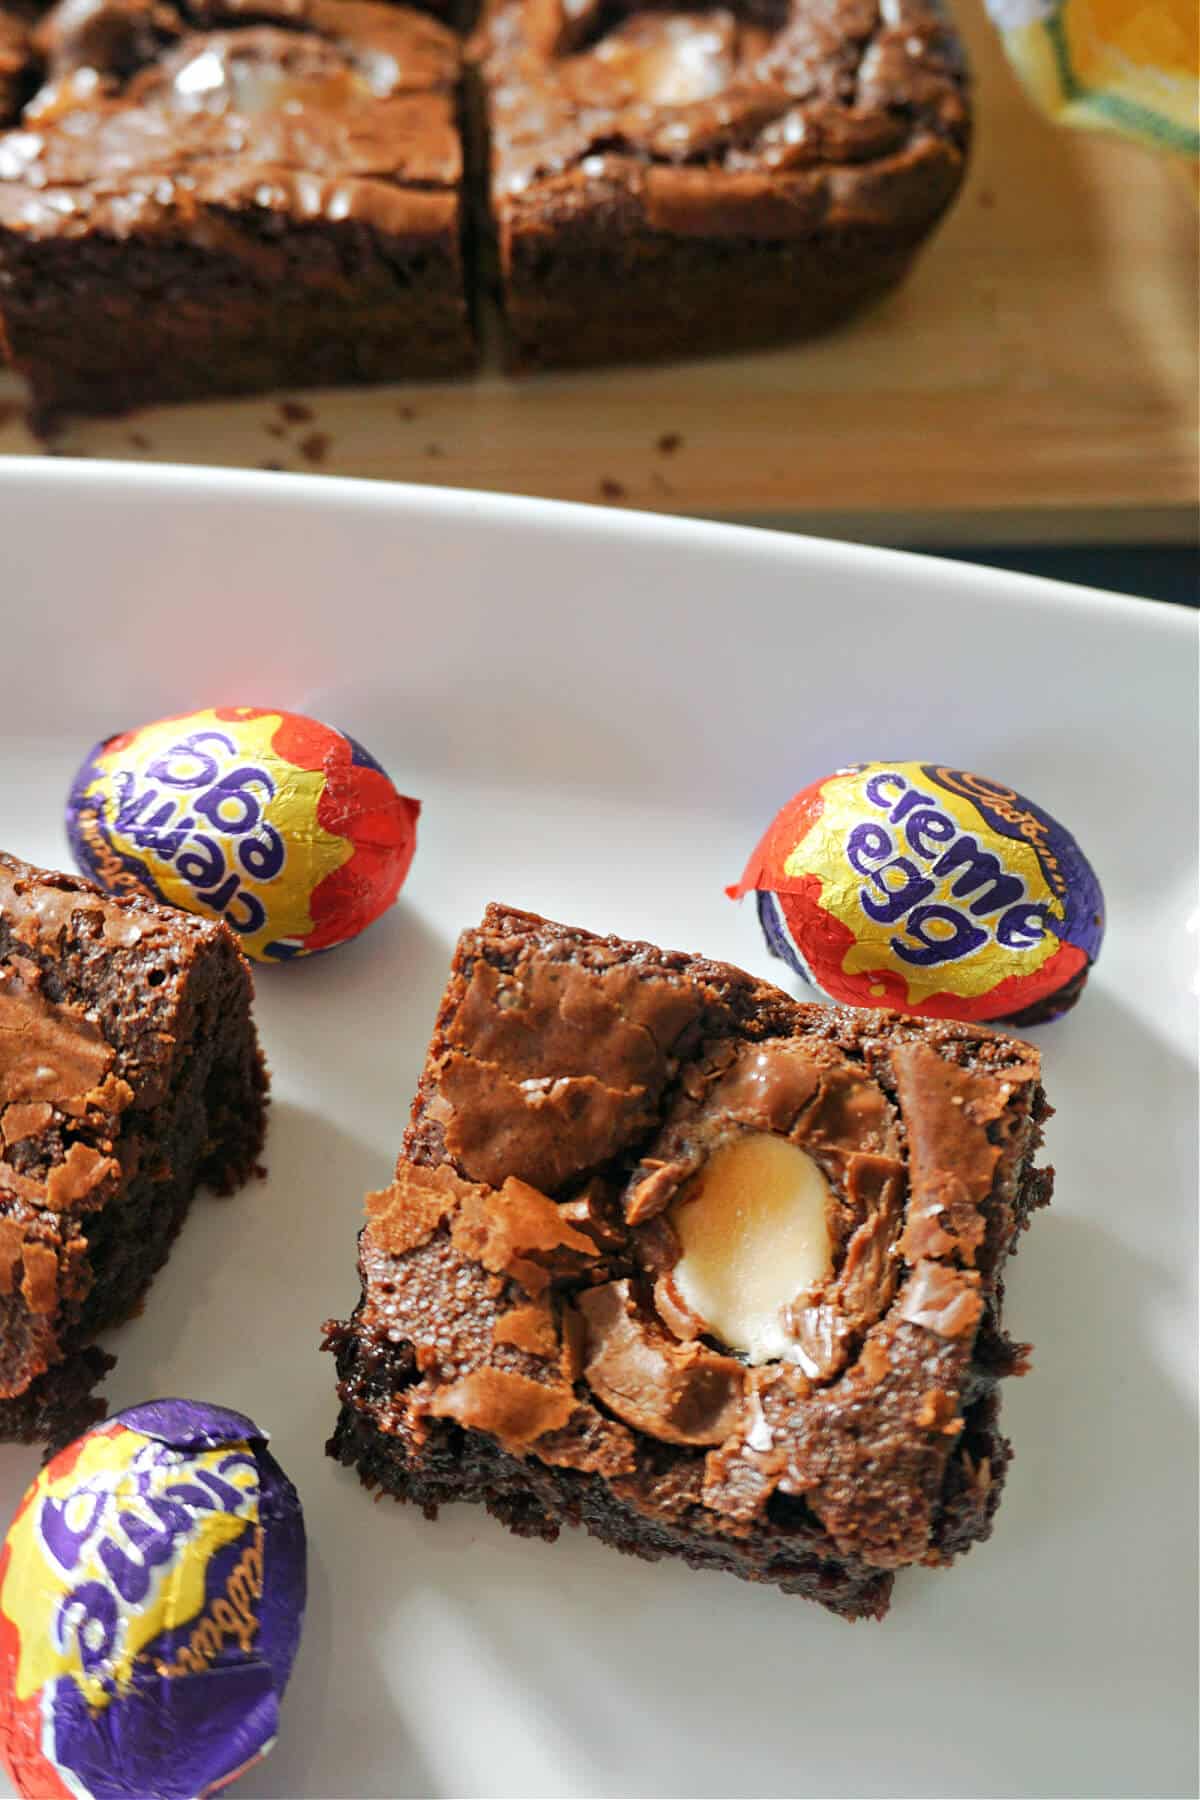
{"type": "Point", "coordinates": [285, 828]}
{"type": "Point", "coordinates": [930, 890]}
{"type": "Point", "coordinates": [152, 1591]}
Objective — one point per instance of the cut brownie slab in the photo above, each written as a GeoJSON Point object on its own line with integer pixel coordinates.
{"type": "Point", "coordinates": [711, 1272]}
{"type": "Point", "coordinates": [666, 181]}
{"type": "Point", "coordinates": [219, 196]}
{"type": "Point", "coordinates": [130, 1072]}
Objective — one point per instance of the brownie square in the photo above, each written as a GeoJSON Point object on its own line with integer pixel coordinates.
{"type": "Point", "coordinates": [130, 1073]}
{"type": "Point", "coordinates": [666, 181]}
{"type": "Point", "coordinates": [529, 1332]}
{"type": "Point", "coordinates": [222, 196]}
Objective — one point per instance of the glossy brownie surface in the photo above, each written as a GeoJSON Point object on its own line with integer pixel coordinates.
{"type": "Point", "coordinates": [309, 109]}
{"type": "Point", "coordinates": [815, 113]}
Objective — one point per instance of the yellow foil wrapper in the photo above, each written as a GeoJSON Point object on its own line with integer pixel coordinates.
{"type": "Point", "coordinates": [1131, 66]}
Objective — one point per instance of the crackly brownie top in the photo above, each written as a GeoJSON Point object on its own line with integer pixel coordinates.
{"type": "Point", "coordinates": [92, 991]}
{"type": "Point", "coordinates": [169, 114]}
{"type": "Point", "coordinates": [762, 88]}
{"type": "Point", "coordinates": [650, 1208]}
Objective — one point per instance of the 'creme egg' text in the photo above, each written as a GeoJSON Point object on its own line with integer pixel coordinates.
{"type": "Point", "coordinates": [946, 893]}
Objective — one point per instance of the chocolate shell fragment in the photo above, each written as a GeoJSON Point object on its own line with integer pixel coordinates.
{"type": "Point", "coordinates": [547, 1324]}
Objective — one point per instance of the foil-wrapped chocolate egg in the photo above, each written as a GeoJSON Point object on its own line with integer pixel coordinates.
{"type": "Point", "coordinates": [285, 828]}
{"type": "Point", "coordinates": [152, 1591]}
{"type": "Point", "coordinates": [927, 889]}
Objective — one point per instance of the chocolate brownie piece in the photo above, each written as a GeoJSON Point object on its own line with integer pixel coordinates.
{"type": "Point", "coordinates": [130, 1072]}
{"type": "Point", "coordinates": [17, 61]}
{"type": "Point", "coordinates": [713, 1273]}
{"type": "Point", "coordinates": [221, 196]}
{"type": "Point", "coordinates": [666, 180]}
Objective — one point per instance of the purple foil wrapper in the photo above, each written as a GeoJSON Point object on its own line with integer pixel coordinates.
{"type": "Point", "coordinates": [152, 1591]}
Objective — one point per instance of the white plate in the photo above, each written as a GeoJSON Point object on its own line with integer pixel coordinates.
{"type": "Point", "coordinates": [600, 713]}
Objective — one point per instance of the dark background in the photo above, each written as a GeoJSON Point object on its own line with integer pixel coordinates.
{"type": "Point", "coordinates": [1153, 571]}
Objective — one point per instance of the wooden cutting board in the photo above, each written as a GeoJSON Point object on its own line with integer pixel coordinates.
{"type": "Point", "coordinates": [1035, 379]}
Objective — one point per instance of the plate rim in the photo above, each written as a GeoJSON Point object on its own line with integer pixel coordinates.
{"type": "Point", "coordinates": [483, 507]}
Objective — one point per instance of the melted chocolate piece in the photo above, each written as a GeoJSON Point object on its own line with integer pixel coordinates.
{"type": "Point", "coordinates": [550, 1068]}
{"type": "Point", "coordinates": [50, 1054]}
{"type": "Point", "coordinates": [676, 1393]}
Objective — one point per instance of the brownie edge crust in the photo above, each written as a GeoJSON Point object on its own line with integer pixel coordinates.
{"type": "Point", "coordinates": [528, 1333]}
